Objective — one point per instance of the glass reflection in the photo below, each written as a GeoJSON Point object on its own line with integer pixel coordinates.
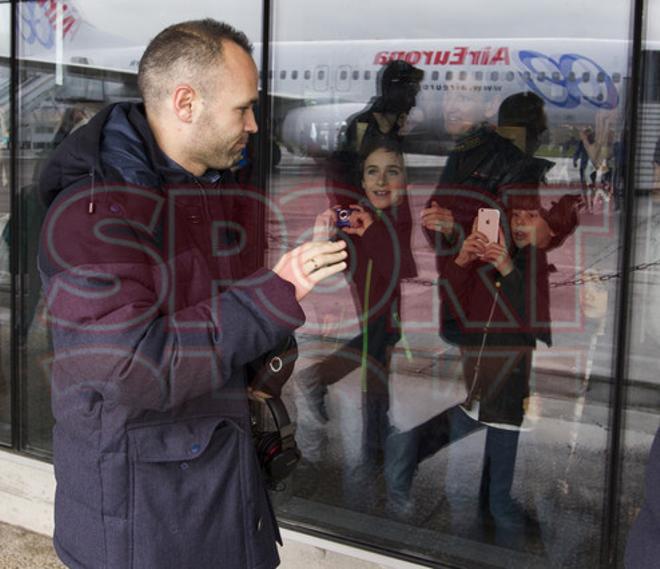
{"type": "Point", "coordinates": [487, 444]}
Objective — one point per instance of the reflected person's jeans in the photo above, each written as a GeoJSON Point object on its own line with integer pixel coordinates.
{"type": "Point", "coordinates": [405, 450]}
{"type": "Point", "coordinates": [499, 460]}
{"type": "Point", "coordinates": [378, 339]}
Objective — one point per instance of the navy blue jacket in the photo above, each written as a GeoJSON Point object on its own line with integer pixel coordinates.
{"type": "Point", "coordinates": [153, 453]}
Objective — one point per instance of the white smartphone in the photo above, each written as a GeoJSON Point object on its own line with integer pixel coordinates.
{"type": "Point", "coordinates": [488, 223]}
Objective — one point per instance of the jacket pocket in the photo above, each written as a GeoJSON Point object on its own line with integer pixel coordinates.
{"type": "Point", "coordinates": [186, 494]}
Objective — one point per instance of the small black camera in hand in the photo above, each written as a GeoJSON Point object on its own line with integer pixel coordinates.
{"type": "Point", "coordinates": [343, 217]}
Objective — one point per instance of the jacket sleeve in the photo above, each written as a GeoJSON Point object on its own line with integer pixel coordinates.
{"type": "Point", "coordinates": [110, 299]}
{"type": "Point", "coordinates": [524, 292]}
{"type": "Point", "coordinates": [456, 285]}
{"type": "Point", "coordinates": [512, 293]}
{"type": "Point", "coordinates": [378, 244]}
{"type": "Point", "coordinates": [445, 248]}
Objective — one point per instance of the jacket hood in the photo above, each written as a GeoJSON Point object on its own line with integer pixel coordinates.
{"type": "Point", "coordinates": [115, 146]}
{"type": "Point", "coordinates": [74, 160]}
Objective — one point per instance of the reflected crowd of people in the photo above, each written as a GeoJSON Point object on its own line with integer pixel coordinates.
{"type": "Point", "coordinates": [494, 293]}
{"type": "Point", "coordinates": [493, 288]}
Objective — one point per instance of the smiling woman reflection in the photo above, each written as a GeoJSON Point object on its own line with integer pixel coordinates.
{"type": "Point", "coordinates": [379, 232]}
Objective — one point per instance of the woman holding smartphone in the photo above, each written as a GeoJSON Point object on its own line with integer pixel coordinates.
{"type": "Point", "coordinates": [500, 296]}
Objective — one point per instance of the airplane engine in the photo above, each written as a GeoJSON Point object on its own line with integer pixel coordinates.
{"type": "Point", "coordinates": [314, 130]}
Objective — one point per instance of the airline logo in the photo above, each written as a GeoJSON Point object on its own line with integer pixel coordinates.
{"type": "Point", "coordinates": [39, 22]}
{"type": "Point", "coordinates": [455, 56]}
{"type": "Point", "coordinates": [562, 84]}
{"type": "Point", "coordinates": [558, 81]}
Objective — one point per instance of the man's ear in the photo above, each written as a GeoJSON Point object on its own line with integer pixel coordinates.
{"type": "Point", "coordinates": [184, 99]}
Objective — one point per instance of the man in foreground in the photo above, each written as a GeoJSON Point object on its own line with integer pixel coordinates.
{"type": "Point", "coordinates": [153, 453]}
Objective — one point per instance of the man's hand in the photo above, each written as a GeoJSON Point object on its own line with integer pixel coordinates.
{"type": "Point", "coordinates": [436, 218]}
{"type": "Point", "coordinates": [256, 395]}
{"type": "Point", "coordinates": [310, 263]}
{"type": "Point", "coordinates": [360, 220]}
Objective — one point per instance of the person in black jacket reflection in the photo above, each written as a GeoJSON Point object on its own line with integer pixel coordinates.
{"type": "Point", "coordinates": [480, 170]}
{"type": "Point", "coordinates": [500, 296]}
{"type": "Point", "coordinates": [380, 256]}
{"type": "Point", "coordinates": [385, 117]}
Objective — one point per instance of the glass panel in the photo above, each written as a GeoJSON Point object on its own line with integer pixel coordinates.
{"type": "Point", "coordinates": [5, 208]}
{"type": "Point", "coordinates": [471, 447]}
{"type": "Point", "coordinates": [642, 413]}
{"type": "Point", "coordinates": [63, 83]}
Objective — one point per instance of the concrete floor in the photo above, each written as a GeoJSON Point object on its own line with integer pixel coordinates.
{"type": "Point", "coordinates": [22, 549]}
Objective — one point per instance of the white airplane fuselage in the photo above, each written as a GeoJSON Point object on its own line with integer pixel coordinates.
{"type": "Point", "coordinates": [318, 85]}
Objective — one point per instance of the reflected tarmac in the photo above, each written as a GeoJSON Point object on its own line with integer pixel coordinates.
{"type": "Point", "coordinates": [560, 476]}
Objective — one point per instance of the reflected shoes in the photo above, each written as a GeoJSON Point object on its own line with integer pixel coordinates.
{"type": "Point", "coordinates": [400, 509]}
{"type": "Point", "coordinates": [512, 527]}
{"type": "Point", "coordinates": [314, 393]}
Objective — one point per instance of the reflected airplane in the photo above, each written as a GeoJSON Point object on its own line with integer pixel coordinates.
{"type": "Point", "coordinates": [317, 86]}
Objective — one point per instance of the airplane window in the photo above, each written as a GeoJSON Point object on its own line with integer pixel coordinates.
{"type": "Point", "coordinates": [367, 75]}
{"type": "Point", "coordinates": [541, 76]}
{"type": "Point", "coordinates": [435, 76]}
{"type": "Point", "coordinates": [320, 75]}
{"type": "Point", "coordinates": [449, 76]}
{"type": "Point", "coordinates": [556, 76]}
{"type": "Point", "coordinates": [571, 76]}
{"type": "Point", "coordinates": [462, 75]}
{"type": "Point", "coordinates": [509, 75]}
{"type": "Point", "coordinates": [527, 75]}
{"type": "Point", "coordinates": [600, 77]}
{"type": "Point", "coordinates": [585, 77]}
{"type": "Point", "coordinates": [616, 77]}
{"type": "Point", "coordinates": [479, 75]}
{"type": "Point", "coordinates": [494, 76]}
{"type": "Point", "coordinates": [294, 74]}
{"type": "Point", "coordinates": [343, 75]}
{"type": "Point", "coordinates": [308, 74]}
{"type": "Point", "coordinates": [283, 74]}
{"type": "Point", "coordinates": [356, 75]}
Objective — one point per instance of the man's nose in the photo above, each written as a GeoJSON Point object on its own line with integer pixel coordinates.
{"type": "Point", "coordinates": [251, 123]}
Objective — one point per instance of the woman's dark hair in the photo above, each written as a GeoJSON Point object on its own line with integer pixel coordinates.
{"type": "Point", "coordinates": [562, 217]}
{"type": "Point", "coordinates": [386, 143]}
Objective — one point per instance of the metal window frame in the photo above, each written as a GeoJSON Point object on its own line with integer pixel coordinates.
{"type": "Point", "coordinates": [611, 512]}
{"type": "Point", "coordinates": [15, 388]}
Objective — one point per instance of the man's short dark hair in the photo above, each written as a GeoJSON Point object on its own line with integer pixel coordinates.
{"type": "Point", "coordinates": [184, 51]}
